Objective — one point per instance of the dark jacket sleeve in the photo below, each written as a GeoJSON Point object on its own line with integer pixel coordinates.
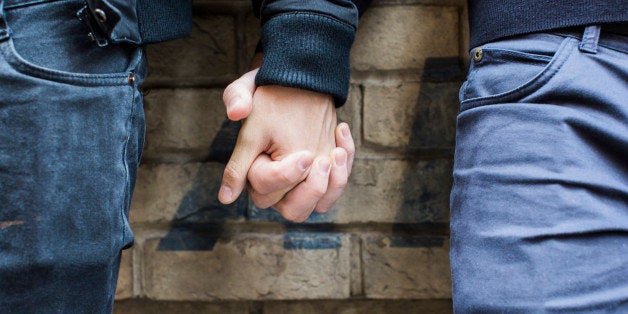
{"type": "Point", "coordinates": [306, 44]}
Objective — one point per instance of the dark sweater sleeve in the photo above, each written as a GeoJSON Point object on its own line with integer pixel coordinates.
{"type": "Point", "coordinates": [306, 44]}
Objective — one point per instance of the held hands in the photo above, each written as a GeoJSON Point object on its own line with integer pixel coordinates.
{"type": "Point", "coordinates": [294, 156]}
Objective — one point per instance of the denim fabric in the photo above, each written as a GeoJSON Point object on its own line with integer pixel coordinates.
{"type": "Point", "coordinates": [539, 207]}
{"type": "Point", "coordinates": [71, 134]}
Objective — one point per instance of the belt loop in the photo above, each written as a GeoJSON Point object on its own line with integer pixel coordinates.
{"type": "Point", "coordinates": [590, 38]}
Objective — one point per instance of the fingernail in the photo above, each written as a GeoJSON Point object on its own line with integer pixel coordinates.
{"type": "Point", "coordinates": [345, 131]}
{"type": "Point", "coordinates": [225, 194]}
{"type": "Point", "coordinates": [324, 165]}
{"type": "Point", "coordinates": [340, 159]}
{"type": "Point", "coordinates": [305, 163]}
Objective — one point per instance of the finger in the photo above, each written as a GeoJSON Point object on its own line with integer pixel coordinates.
{"type": "Point", "coordinates": [299, 203]}
{"type": "Point", "coordinates": [234, 178]}
{"type": "Point", "coordinates": [270, 180]}
{"type": "Point", "coordinates": [337, 181]}
{"type": "Point", "coordinates": [345, 140]}
{"type": "Point", "coordinates": [267, 176]}
{"type": "Point", "coordinates": [238, 96]}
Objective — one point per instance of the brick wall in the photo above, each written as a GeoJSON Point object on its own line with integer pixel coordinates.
{"type": "Point", "coordinates": [384, 248]}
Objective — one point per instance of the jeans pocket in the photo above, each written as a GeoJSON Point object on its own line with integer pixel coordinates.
{"type": "Point", "coordinates": [48, 41]}
{"type": "Point", "coordinates": [508, 71]}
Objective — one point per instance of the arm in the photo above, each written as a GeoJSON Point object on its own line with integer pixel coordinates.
{"type": "Point", "coordinates": [291, 118]}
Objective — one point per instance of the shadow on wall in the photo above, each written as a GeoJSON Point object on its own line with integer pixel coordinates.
{"type": "Point", "coordinates": [200, 219]}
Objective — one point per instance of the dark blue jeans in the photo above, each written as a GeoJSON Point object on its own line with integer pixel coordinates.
{"type": "Point", "coordinates": [71, 134]}
{"type": "Point", "coordinates": [539, 207]}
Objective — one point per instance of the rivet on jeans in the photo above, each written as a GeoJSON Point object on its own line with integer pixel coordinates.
{"type": "Point", "coordinates": [131, 78]}
{"type": "Point", "coordinates": [477, 54]}
{"type": "Point", "coordinates": [100, 14]}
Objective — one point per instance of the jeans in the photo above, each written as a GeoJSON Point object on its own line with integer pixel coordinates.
{"type": "Point", "coordinates": [539, 206]}
{"type": "Point", "coordinates": [71, 136]}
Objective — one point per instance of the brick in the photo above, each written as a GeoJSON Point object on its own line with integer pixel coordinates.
{"type": "Point", "coordinates": [411, 115]}
{"type": "Point", "coordinates": [251, 34]}
{"type": "Point", "coordinates": [387, 191]}
{"type": "Point", "coordinates": [250, 266]}
{"type": "Point", "coordinates": [396, 191]}
{"type": "Point", "coordinates": [124, 288]}
{"type": "Point", "coordinates": [182, 194]}
{"type": "Point", "coordinates": [440, 306]}
{"type": "Point", "coordinates": [187, 124]}
{"type": "Point", "coordinates": [139, 306]}
{"type": "Point", "coordinates": [403, 37]}
{"type": "Point", "coordinates": [209, 51]}
{"type": "Point", "coordinates": [350, 112]}
{"type": "Point", "coordinates": [404, 267]}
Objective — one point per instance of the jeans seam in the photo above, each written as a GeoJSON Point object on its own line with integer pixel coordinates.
{"type": "Point", "coordinates": [127, 188]}
{"type": "Point", "coordinates": [542, 79]}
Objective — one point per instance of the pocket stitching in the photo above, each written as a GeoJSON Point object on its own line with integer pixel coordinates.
{"type": "Point", "coordinates": [23, 66]}
{"type": "Point", "coordinates": [563, 52]}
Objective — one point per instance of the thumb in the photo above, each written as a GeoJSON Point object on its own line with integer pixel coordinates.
{"type": "Point", "coordinates": [238, 96]}
{"type": "Point", "coordinates": [234, 178]}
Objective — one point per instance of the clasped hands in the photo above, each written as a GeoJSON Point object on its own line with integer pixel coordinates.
{"type": "Point", "coordinates": [290, 153]}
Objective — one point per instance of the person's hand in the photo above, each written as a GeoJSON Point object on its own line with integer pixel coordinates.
{"type": "Point", "coordinates": [286, 148]}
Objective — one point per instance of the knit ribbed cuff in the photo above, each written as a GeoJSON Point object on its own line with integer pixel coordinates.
{"type": "Point", "coordinates": [307, 51]}
{"type": "Point", "coordinates": [162, 20]}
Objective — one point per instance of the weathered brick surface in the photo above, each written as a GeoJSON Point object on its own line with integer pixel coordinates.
{"type": "Point", "coordinates": [124, 287]}
{"type": "Point", "coordinates": [411, 116]}
{"type": "Point", "coordinates": [402, 37]}
{"type": "Point", "coordinates": [209, 51]}
{"type": "Point", "coordinates": [140, 306]}
{"type": "Point", "coordinates": [351, 113]}
{"type": "Point", "coordinates": [183, 124]}
{"type": "Point", "coordinates": [249, 267]}
{"type": "Point", "coordinates": [389, 191]}
{"type": "Point", "coordinates": [182, 194]}
{"type": "Point", "coordinates": [401, 266]}
{"type": "Point", "coordinates": [251, 34]}
{"type": "Point", "coordinates": [439, 306]}
{"type": "Point", "coordinates": [383, 249]}
{"type": "Point", "coordinates": [396, 191]}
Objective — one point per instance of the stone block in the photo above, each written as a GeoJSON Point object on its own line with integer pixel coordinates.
{"type": "Point", "coordinates": [406, 266]}
{"type": "Point", "coordinates": [351, 113]}
{"type": "Point", "coordinates": [209, 51]}
{"type": "Point", "coordinates": [252, 34]}
{"type": "Point", "coordinates": [124, 288]}
{"type": "Point", "coordinates": [411, 116]}
{"type": "Point", "coordinates": [188, 124]}
{"type": "Point", "coordinates": [402, 37]}
{"type": "Point", "coordinates": [182, 194]}
{"type": "Point", "coordinates": [396, 191]}
{"type": "Point", "coordinates": [439, 306]}
{"type": "Point", "coordinates": [250, 266]}
{"type": "Point", "coordinates": [140, 306]}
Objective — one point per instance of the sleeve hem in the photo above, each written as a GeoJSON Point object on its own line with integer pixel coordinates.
{"type": "Point", "coordinates": [308, 51]}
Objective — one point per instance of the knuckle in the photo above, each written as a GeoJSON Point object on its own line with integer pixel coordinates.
{"type": "Point", "coordinates": [232, 171]}
{"type": "Point", "coordinates": [291, 214]}
{"type": "Point", "coordinates": [318, 192]}
{"type": "Point", "coordinates": [282, 176]}
{"type": "Point", "coordinates": [229, 92]}
{"type": "Point", "coordinates": [260, 201]}
{"type": "Point", "coordinates": [322, 208]}
{"type": "Point", "coordinates": [339, 183]}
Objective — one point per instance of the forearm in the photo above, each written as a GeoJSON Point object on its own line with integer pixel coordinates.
{"type": "Point", "coordinates": [306, 44]}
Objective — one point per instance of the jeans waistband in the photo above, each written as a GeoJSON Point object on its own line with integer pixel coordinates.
{"type": "Point", "coordinates": [10, 4]}
{"type": "Point", "coordinates": [608, 35]}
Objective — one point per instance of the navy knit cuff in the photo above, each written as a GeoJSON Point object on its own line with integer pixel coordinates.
{"type": "Point", "coordinates": [308, 51]}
